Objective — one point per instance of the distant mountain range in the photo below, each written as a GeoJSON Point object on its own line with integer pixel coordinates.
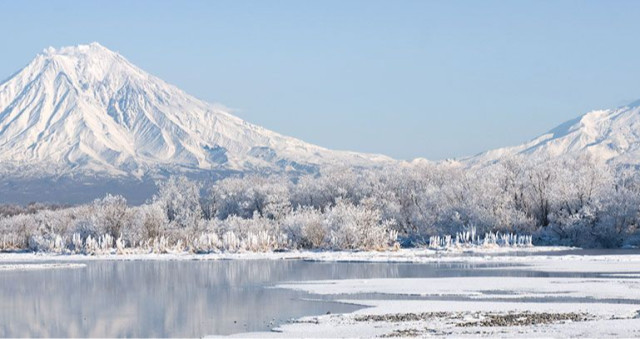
{"type": "Point", "coordinates": [611, 135]}
{"type": "Point", "coordinates": [80, 121]}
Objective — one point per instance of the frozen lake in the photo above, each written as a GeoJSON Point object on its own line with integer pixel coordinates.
{"type": "Point", "coordinates": [188, 298]}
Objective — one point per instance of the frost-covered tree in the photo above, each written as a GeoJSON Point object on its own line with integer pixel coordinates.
{"type": "Point", "coordinates": [267, 196]}
{"type": "Point", "coordinates": [110, 215]}
{"type": "Point", "coordinates": [179, 197]}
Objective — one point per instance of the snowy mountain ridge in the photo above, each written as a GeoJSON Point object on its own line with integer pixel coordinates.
{"type": "Point", "coordinates": [86, 109]}
{"type": "Point", "coordinates": [611, 135]}
{"type": "Point", "coordinates": [83, 117]}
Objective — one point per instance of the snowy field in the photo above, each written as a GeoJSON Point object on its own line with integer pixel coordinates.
{"type": "Point", "coordinates": [603, 303]}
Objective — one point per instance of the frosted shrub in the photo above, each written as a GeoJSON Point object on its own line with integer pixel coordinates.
{"type": "Point", "coordinates": [105, 243]}
{"type": "Point", "coordinates": [153, 220]}
{"type": "Point", "coordinates": [305, 228]}
{"type": "Point", "coordinates": [11, 241]}
{"type": "Point", "coordinates": [160, 245]}
{"type": "Point", "coordinates": [85, 228]}
{"type": "Point", "coordinates": [490, 239]}
{"type": "Point", "coordinates": [91, 246]}
{"type": "Point", "coordinates": [110, 215]}
{"type": "Point", "coordinates": [255, 234]}
{"type": "Point", "coordinates": [120, 245]}
{"type": "Point", "coordinates": [16, 231]}
{"type": "Point", "coordinates": [258, 242]}
{"type": "Point", "coordinates": [46, 243]}
{"type": "Point", "coordinates": [77, 244]}
{"type": "Point", "coordinates": [53, 222]}
{"type": "Point", "coordinates": [206, 243]}
{"type": "Point", "coordinates": [314, 234]}
{"type": "Point", "coordinates": [355, 227]}
{"type": "Point", "coordinates": [230, 242]}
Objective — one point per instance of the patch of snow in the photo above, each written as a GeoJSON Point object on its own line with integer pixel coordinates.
{"type": "Point", "coordinates": [479, 287]}
{"type": "Point", "coordinates": [610, 320]}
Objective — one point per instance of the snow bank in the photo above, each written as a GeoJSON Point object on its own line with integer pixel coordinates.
{"type": "Point", "coordinates": [35, 267]}
{"type": "Point", "coordinates": [416, 255]}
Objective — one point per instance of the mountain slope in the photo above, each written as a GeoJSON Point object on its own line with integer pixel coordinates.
{"type": "Point", "coordinates": [611, 135]}
{"type": "Point", "coordinates": [86, 109]}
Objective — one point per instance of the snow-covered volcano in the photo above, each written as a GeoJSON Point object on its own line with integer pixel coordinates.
{"type": "Point", "coordinates": [86, 109]}
{"type": "Point", "coordinates": [611, 135]}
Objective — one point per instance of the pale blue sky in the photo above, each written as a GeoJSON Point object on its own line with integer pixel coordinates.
{"type": "Point", "coordinates": [405, 78]}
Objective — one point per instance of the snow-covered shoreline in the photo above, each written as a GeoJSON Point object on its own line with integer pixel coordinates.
{"type": "Point", "coordinates": [39, 266]}
{"type": "Point", "coordinates": [413, 255]}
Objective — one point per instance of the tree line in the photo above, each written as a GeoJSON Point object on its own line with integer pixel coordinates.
{"type": "Point", "coordinates": [567, 200]}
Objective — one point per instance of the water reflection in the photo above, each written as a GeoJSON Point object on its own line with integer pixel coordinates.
{"type": "Point", "coordinates": [182, 298]}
